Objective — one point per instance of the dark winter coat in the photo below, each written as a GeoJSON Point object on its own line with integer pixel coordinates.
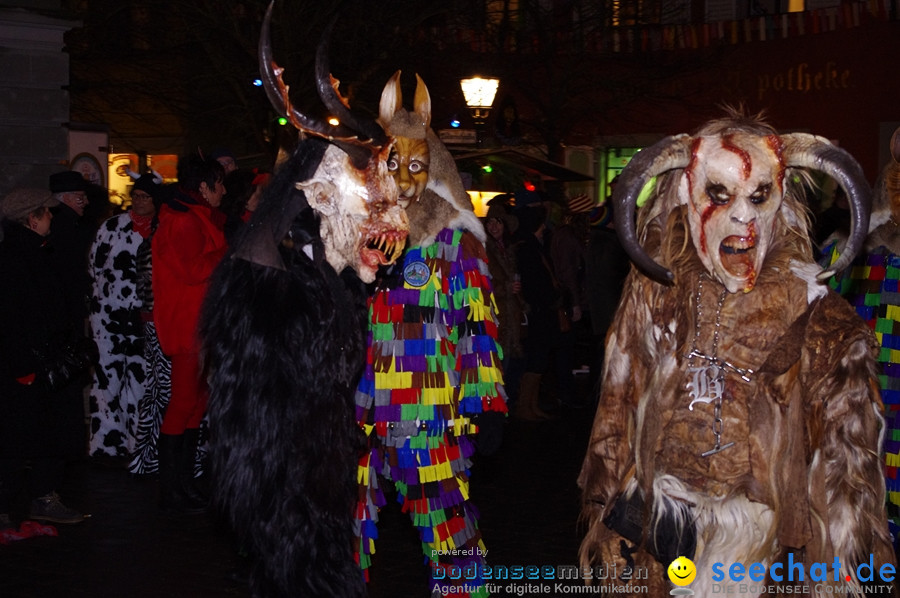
{"type": "Point", "coordinates": [35, 317]}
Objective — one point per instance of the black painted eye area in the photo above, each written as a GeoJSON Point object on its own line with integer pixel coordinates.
{"type": "Point", "coordinates": [718, 194]}
{"type": "Point", "coordinates": [761, 194]}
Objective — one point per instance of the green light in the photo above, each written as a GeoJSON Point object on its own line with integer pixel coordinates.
{"type": "Point", "coordinates": [282, 121]}
{"type": "Point", "coordinates": [488, 168]}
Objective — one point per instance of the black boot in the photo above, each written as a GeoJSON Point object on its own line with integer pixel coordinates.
{"type": "Point", "coordinates": [171, 497]}
{"type": "Point", "coordinates": [187, 462]}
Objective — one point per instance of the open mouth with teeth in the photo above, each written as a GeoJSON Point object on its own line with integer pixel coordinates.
{"type": "Point", "coordinates": [738, 255]}
{"type": "Point", "coordinates": [383, 248]}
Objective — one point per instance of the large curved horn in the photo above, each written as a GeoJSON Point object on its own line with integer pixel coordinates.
{"type": "Point", "coordinates": [665, 155]}
{"type": "Point", "coordinates": [360, 151]}
{"type": "Point", "coordinates": [327, 87]}
{"type": "Point", "coordinates": [276, 90]}
{"type": "Point", "coordinates": [802, 150]}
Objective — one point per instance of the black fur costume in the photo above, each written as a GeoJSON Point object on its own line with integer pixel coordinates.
{"type": "Point", "coordinates": [285, 348]}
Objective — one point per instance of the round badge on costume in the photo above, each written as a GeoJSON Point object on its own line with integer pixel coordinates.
{"type": "Point", "coordinates": [416, 274]}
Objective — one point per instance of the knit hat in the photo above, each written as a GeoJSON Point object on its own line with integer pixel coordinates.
{"type": "Point", "coordinates": [21, 202]}
{"type": "Point", "coordinates": [68, 180]}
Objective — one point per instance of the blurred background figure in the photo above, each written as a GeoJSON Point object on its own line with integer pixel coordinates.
{"type": "Point", "coordinates": [543, 304]}
{"type": "Point", "coordinates": [568, 245]}
{"type": "Point", "coordinates": [226, 158]}
{"type": "Point", "coordinates": [73, 235]}
{"type": "Point", "coordinates": [43, 359]}
{"type": "Point", "coordinates": [606, 266]}
{"type": "Point", "coordinates": [188, 244]}
{"type": "Point", "coordinates": [244, 189]}
{"type": "Point", "coordinates": [500, 226]}
{"type": "Point", "coordinates": [115, 318]}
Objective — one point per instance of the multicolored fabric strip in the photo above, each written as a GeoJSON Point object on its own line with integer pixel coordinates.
{"type": "Point", "coordinates": [871, 286]}
{"type": "Point", "coordinates": [433, 363]}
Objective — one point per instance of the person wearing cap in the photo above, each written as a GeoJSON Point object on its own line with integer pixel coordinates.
{"type": "Point", "coordinates": [72, 238]}
{"type": "Point", "coordinates": [115, 318]}
{"type": "Point", "coordinates": [41, 401]}
{"type": "Point", "coordinates": [226, 158]}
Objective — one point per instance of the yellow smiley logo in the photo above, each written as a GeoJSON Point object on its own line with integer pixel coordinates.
{"type": "Point", "coordinates": [682, 571]}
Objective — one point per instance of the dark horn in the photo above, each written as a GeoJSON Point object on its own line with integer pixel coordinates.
{"type": "Point", "coordinates": [802, 150]}
{"type": "Point", "coordinates": [333, 101]}
{"type": "Point", "coordinates": [665, 155]}
{"type": "Point", "coordinates": [275, 89]}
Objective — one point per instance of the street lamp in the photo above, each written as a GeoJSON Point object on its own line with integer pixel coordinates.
{"type": "Point", "coordinates": [479, 93]}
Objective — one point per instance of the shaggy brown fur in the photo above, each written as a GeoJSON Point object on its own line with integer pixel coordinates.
{"type": "Point", "coordinates": [804, 476]}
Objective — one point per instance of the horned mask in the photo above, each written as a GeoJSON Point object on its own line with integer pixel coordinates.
{"type": "Point", "coordinates": [361, 224]}
{"type": "Point", "coordinates": [733, 183]}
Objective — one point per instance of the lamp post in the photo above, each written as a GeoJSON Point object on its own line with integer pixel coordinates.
{"type": "Point", "coordinates": [479, 93]}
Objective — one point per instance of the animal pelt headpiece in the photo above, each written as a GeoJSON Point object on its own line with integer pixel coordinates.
{"type": "Point", "coordinates": [284, 338]}
{"type": "Point", "coordinates": [444, 203]}
{"type": "Point", "coordinates": [742, 149]}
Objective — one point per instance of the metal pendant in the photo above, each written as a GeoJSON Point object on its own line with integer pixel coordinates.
{"type": "Point", "coordinates": [707, 384]}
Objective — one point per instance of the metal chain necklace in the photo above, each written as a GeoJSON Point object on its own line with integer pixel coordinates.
{"type": "Point", "coordinates": [707, 384]}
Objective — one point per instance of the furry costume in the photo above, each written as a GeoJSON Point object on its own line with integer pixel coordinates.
{"type": "Point", "coordinates": [739, 410]}
{"type": "Point", "coordinates": [117, 329]}
{"type": "Point", "coordinates": [283, 328]}
{"type": "Point", "coordinates": [433, 363]}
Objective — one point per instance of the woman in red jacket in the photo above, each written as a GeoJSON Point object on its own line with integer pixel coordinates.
{"type": "Point", "coordinates": [188, 244]}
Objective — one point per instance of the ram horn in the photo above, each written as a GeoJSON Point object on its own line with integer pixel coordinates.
{"type": "Point", "coordinates": [802, 150]}
{"type": "Point", "coordinates": [668, 154]}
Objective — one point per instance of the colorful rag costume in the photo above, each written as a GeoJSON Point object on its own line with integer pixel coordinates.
{"type": "Point", "coordinates": [433, 365]}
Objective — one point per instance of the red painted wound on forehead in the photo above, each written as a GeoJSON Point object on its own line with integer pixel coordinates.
{"type": "Point", "coordinates": [777, 146]}
{"type": "Point", "coordinates": [729, 146]}
{"type": "Point", "coordinates": [689, 171]}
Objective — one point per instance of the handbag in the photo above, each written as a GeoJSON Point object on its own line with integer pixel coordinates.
{"type": "Point", "coordinates": [62, 365]}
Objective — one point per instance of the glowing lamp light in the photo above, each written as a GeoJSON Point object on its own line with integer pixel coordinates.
{"type": "Point", "coordinates": [487, 168]}
{"type": "Point", "coordinates": [529, 186]}
{"type": "Point", "coordinates": [333, 121]}
{"type": "Point", "coordinates": [282, 121]}
{"type": "Point", "coordinates": [454, 123]}
{"type": "Point", "coordinates": [257, 83]}
{"type": "Point", "coordinates": [479, 92]}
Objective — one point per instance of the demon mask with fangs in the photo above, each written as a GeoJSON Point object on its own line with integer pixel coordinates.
{"type": "Point", "coordinates": [361, 224]}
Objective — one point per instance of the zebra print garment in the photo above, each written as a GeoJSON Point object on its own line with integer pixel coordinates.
{"type": "Point", "coordinates": [152, 406]}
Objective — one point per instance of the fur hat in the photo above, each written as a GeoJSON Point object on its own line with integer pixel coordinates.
{"type": "Point", "coordinates": [21, 202]}
{"type": "Point", "coordinates": [147, 184]}
{"type": "Point", "coordinates": [68, 180]}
